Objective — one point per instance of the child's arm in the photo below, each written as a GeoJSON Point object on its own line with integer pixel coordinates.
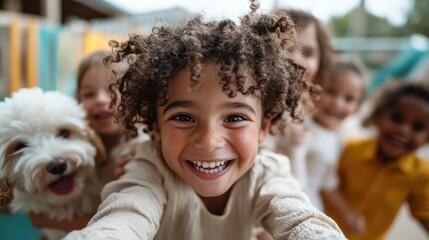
{"type": "Point", "coordinates": [291, 216]}
{"type": "Point", "coordinates": [39, 220]}
{"type": "Point", "coordinates": [132, 206]}
{"type": "Point", "coordinates": [355, 221]}
{"type": "Point", "coordinates": [285, 210]}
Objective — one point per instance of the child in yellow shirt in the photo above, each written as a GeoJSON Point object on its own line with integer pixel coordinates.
{"type": "Point", "coordinates": [379, 174]}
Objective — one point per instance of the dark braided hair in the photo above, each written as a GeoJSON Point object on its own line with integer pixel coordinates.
{"type": "Point", "coordinates": [248, 55]}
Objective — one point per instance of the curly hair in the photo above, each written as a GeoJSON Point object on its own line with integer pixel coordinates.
{"type": "Point", "coordinates": [389, 95]}
{"type": "Point", "coordinates": [248, 55]}
{"type": "Point", "coordinates": [301, 20]}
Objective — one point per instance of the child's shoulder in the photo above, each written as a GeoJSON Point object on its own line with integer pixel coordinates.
{"type": "Point", "coordinates": [272, 161]}
{"type": "Point", "coordinates": [421, 165]}
{"type": "Point", "coordinates": [273, 169]}
{"type": "Point", "coordinates": [265, 153]}
{"type": "Point", "coordinates": [417, 168]}
{"type": "Point", "coordinates": [360, 143]}
{"type": "Point", "coordinates": [144, 151]}
{"type": "Point", "coordinates": [140, 143]}
{"type": "Point", "coordinates": [358, 150]}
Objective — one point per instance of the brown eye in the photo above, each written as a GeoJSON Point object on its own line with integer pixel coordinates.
{"type": "Point", "coordinates": [418, 126]}
{"type": "Point", "coordinates": [88, 94]}
{"type": "Point", "coordinates": [307, 52]}
{"type": "Point", "coordinates": [330, 92]}
{"type": "Point", "coordinates": [234, 118]}
{"type": "Point", "coordinates": [64, 134]}
{"type": "Point", "coordinates": [350, 99]}
{"type": "Point", "coordinates": [397, 118]}
{"type": "Point", "coordinates": [183, 118]}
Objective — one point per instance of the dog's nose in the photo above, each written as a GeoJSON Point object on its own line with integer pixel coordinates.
{"type": "Point", "coordinates": [57, 167]}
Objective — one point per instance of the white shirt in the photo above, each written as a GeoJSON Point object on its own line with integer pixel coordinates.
{"type": "Point", "coordinates": [323, 151]}
{"type": "Point", "coordinates": [151, 202]}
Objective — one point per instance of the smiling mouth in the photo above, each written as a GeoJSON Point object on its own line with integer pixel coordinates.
{"type": "Point", "coordinates": [210, 167]}
{"type": "Point", "coordinates": [103, 116]}
{"type": "Point", "coordinates": [398, 141]}
{"type": "Point", "coordinates": [333, 114]}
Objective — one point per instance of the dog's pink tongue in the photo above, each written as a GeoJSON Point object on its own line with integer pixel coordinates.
{"type": "Point", "coordinates": [62, 186]}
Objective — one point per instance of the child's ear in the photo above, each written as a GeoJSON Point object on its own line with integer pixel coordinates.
{"type": "Point", "coordinates": [265, 128]}
{"type": "Point", "coordinates": [156, 134]}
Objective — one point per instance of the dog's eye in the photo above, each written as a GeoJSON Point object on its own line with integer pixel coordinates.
{"type": "Point", "coordinates": [20, 146]}
{"type": "Point", "coordinates": [64, 134]}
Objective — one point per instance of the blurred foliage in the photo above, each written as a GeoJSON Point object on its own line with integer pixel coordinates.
{"type": "Point", "coordinates": [417, 22]}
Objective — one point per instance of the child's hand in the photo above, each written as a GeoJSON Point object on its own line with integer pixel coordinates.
{"type": "Point", "coordinates": [355, 222]}
{"type": "Point", "coordinates": [39, 220]}
{"type": "Point", "coordinates": [120, 166]}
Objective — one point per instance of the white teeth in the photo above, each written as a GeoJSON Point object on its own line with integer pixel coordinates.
{"type": "Point", "coordinates": [209, 164]}
{"type": "Point", "coordinates": [212, 167]}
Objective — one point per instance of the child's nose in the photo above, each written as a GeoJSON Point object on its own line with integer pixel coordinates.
{"type": "Point", "coordinates": [207, 138]}
{"type": "Point", "coordinates": [103, 97]}
{"type": "Point", "coordinates": [404, 128]}
{"type": "Point", "coordinates": [338, 102]}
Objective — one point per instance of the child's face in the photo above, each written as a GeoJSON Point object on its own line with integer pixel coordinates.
{"type": "Point", "coordinates": [403, 128]}
{"type": "Point", "coordinates": [307, 52]}
{"type": "Point", "coordinates": [341, 97]}
{"type": "Point", "coordinates": [207, 138]}
{"type": "Point", "coordinates": [94, 95]}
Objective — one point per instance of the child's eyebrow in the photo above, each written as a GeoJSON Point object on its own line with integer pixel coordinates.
{"type": "Point", "coordinates": [239, 105]}
{"type": "Point", "coordinates": [177, 104]}
{"type": "Point", "coordinates": [86, 86]}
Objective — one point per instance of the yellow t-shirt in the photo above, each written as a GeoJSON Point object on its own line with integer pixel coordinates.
{"type": "Point", "coordinates": [378, 190]}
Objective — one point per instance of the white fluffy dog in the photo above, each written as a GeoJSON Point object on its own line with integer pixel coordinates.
{"type": "Point", "coordinates": [48, 156]}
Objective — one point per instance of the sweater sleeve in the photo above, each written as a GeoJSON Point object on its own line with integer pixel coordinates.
{"type": "Point", "coordinates": [132, 206]}
{"type": "Point", "coordinates": [285, 210]}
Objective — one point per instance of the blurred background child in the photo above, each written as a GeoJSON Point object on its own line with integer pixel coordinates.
{"type": "Point", "coordinates": [379, 174]}
{"type": "Point", "coordinates": [314, 52]}
{"type": "Point", "coordinates": [93, 81]}
{"type": "Point", "coordinates": [340, 98]}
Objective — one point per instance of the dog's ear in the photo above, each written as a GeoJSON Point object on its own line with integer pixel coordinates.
{"type": "Point", "coordinates": [101, 157]}
{"type": "Point", "coordinates": [6, 194]}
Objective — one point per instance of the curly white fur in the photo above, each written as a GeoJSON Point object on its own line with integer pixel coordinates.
{"type": "Point", "coordinates": [44, 148]}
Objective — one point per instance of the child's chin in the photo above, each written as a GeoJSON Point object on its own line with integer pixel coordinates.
{"type": "Point", "coordinates": [210, 192]}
